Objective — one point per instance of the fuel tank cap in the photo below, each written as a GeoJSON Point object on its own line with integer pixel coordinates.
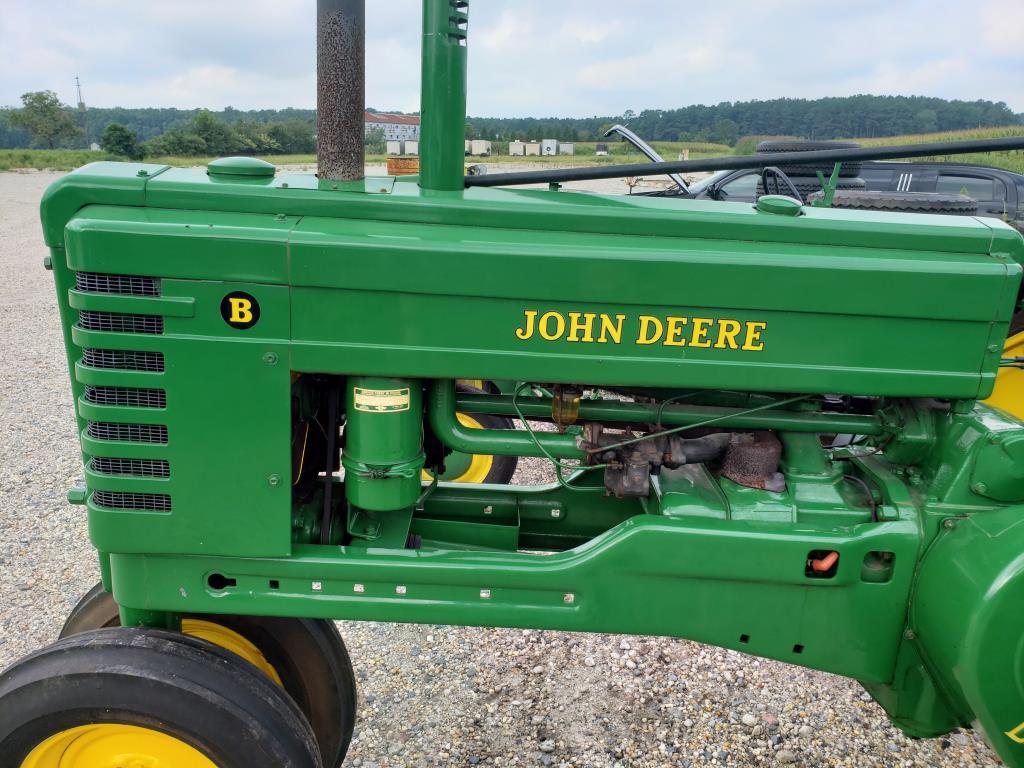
{"type": "Point", "coordinates": [779, 205]}
{"type": "Point", "coordinates": [249, 167]}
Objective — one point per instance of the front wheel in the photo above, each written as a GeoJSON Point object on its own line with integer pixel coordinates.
{"type": "Point", "coordinates": [144, 697]}
{"type": "Point", "coordinates": [306, 657]}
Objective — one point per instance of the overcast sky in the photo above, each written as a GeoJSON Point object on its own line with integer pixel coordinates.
{"type": "Point", "coordinates": [527, 57]}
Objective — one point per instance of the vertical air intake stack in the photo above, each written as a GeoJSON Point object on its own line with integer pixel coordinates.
{"type": "Point", "coordinates": [341, 97]}
{"type": "Point", "coordinates": [443, 94]}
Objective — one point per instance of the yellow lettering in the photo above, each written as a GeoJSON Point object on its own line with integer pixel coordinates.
{"type": "Point", "coordinates": [752, 342]}
{"type": "Point", "coordinates": [727, 332]}
{"type": "Point", "coordinates": [699, 337]}
{"type": "Point", "coordinates": [1017, 734]}
{"type": "Point", "coordinates": [527, 330]}
{"type": "Point", "coordinates": [575, 326]}
{"type": "Point", "coordinates": [610, 331]}
{"type": "Point", "coordinates": [674, 332]}
{"type": "Point", "coordinates": [241, 310]}
{"type": "Point", "coordinates": [545, 326]}
{"type": "Point", "coordinates": [647, 324]}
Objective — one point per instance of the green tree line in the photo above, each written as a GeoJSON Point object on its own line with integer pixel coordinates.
{"type": "Point", "coordinates": [828, 118]}
{"type": "Point", "coordinates": [43, 121]}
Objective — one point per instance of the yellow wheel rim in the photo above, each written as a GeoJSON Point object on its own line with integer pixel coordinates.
{"type": "Point", "coordinates": [229, 640]}
{"type": "Point", "coordinates": [1009, 392]}
{"type": "Point", "coordinates": [109, 745]}
{"type": "Point", "coordinates": [479, 466]}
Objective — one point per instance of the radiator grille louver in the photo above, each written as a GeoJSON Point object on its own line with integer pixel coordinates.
{"type": "Point", "coordinates": [129, 285]}
{"type": "Point", "coordinates": [149, 502]}
{"type": "Point", "coordinates": [133, 433]}
{"type": "Point", "coordinates": [132, 467]}
{"type": "Point", "coordinates": [132, 397]}
{"type": "Point", "coordinates": [119, 322]}
{"type": "Point", "coordinates": [124, 360]}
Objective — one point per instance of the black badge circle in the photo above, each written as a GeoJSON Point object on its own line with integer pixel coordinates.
{"type": "Point", "coordinates": [240, 310]}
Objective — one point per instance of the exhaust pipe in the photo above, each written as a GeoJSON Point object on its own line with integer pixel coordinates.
{"type": "Point", "coordinates": [340, 96]}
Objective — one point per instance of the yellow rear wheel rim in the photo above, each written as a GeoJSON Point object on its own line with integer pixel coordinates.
{"type": "Point", "coordinates": [110, 745]}
{"type": "Point", "coordinates": [1009, 392]}
{"type": "Point", "coordinates": [479, 466]}
{"type": "Point", "coordinates": [229, 640]}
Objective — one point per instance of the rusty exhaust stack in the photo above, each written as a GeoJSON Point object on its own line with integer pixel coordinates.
{"type": "Point", "coordinates": [341, 83]}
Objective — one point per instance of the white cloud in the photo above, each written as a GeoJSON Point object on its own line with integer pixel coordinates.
{"type": "Point", "coordinates": [536, 57]}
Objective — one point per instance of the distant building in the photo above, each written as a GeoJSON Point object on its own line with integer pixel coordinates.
{"type": "Point", "coordinates": [601, 149]}
{"type": "Point", "coordinates": [395, 127]}
{"type": "Point", "coordinates": [516, 148]}
{"type": "Point", "coordinates": [549, 147]}
{"type": "Point", "coordinates": [94, 147]}
{"type": "Point", "coordinates": [532, 148]}
{"type": "Point", "coordinates": [480, 147]}
{"type": "Point", "coordinates": [566, 148]}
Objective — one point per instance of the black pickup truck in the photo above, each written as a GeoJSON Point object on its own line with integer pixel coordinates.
{"type": "Point", "coordinates": [998, 192]}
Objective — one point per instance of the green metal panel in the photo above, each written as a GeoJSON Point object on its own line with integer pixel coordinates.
{"type": "Point", "coordinates": [214, 378]}
{"type": "Point", "coordinates": [649, 575]}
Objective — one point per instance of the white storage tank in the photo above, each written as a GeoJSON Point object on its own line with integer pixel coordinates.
{"type": "Point", "coordinates": [394, 147]}
{"type": "Point", "coordinates": [549, 147]}
{"type": "Point", "coordinates": [533, 148]}
{"type": "Point", "coordinates": [566, 148]}
{"type": "Point", "coordinates": [517, 148]}
{"type": "Point", "coordinates": [412, 148]}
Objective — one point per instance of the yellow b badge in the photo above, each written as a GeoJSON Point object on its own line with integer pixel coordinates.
{"type": "Point", "coordinates": [240, 310]}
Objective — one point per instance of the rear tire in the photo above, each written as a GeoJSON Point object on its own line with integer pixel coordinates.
{"type": "Point", "coordinates": [147, 697]}
{"type": "Point", "coordinates": [308, 656]}
{"type": "Point", "coordinates": [848, 169]}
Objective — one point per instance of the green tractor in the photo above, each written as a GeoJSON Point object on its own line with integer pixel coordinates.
{"type": "Point", "coordinates": [766, 430]}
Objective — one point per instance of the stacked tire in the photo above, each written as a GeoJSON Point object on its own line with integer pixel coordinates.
{"type": "Point", "coordinates": [805, 175]}
{"type": "Point", "coordinates": [902, 202]}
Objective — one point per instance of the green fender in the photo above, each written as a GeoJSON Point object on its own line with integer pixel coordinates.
{"type": "Point", "coordinates": [967, 617]}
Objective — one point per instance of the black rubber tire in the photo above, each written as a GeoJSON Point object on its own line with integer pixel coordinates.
{"type": "Point", "coordinates": [502, 467]}
{"type": "Point", "coordinates": [848, 169]}
{"type": "Point", "coordinates": [168, 682]}
{"type": "Point", "coordinates": [807, 186]}
{"type": "Point", "coordinates": [907, 202]}
{"type": "Point", "coordinates": [308, 655]}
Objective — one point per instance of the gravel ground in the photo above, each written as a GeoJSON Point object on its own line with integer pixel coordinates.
{"type": "Point", "coordinates": [430, 695]}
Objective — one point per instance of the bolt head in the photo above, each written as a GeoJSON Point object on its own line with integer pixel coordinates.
{"type": "Point", "coordinates": [556, 513]}
{"type": "Point", "coordinates": [485, 594]}
{"type": "Point", "coordinates": [400, 589]}
{"type": "Point", "coordinates": [909, 634]}
{"type": "Point", "coordinates": [274, 480]}
{"type": "Point", "coordinates": [979, 488]}
{"type": "Point", "coordinates": [359, 588]}
{"type": "Point", "coordinates": [568, 598]}
{"type": "Point", "coordinates": [317, 586]}
{"type": "Point", "coordinates": [270, 358]}
{"type": "Point", "coordinates": [488, 509]}
{"type": "Point", "coordinates": [949, 522]}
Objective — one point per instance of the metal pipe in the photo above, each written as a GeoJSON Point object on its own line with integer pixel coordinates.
{"type": "Point", "coordinates": [340, 90]}
{"type": "Point", "coordinates": [751, 161]}
{"type": "Point", "coordinates": [611, 411]}
{"type": "Point", "coordinates": [501, 442]}
{"type": "Point", "coordinates": [443, 94]}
